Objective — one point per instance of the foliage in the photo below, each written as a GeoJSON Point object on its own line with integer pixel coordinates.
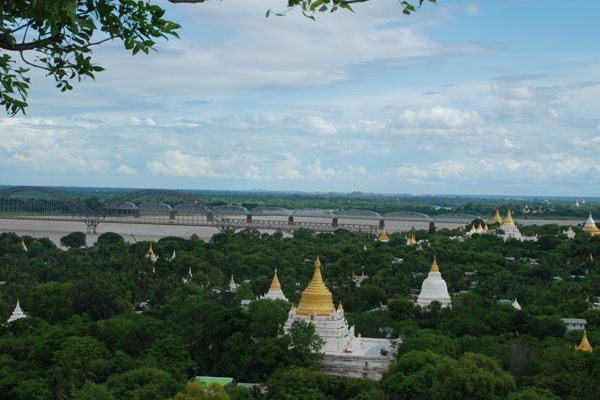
{"type": "Point", "coordinates": [73, 239]}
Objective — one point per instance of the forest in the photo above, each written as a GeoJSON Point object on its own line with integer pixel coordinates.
{"type": "Point", "coordinates": [104, 322]}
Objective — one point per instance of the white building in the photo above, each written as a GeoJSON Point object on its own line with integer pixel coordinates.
{"type": "Point", "coordinates": [434, 288]}
{"type": "Point", "coordinates": [570, 233]}
{"type": "Point", "coordinates": [574, 324]}
{"type": "Point", "coordinates": [345, 352]}
{"type": "Point", "coordinates": [511, 231]}
{"type": "Point", "coordinates": [590, 226]}
{"type": "Point", "coordinates": [232, 285]}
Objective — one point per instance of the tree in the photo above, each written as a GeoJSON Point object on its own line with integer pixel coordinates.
{"type": "Point", "coordinates": [412, 376]}
{"type": "Point", "coordinates": [305, 344]}
{"type": "Point", "coordinates": [142, 384]}
{"type": "Point", "coordinates": [59, 36]}
{"type": "Point", "coordinates": [73, 239]}
{"type": "Point", "coordinates": [108, 238]}
{"type": "Point", "coordinates": [92, 391]}
{"type": "Point", "coordinates": [196, 391]}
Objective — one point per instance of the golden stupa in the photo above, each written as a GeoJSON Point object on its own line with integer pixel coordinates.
{"type": "Point", "coordinates": [275, 282]}
{"type": "Point", "coordinates": [497, 218]}
{"type": "Point", "coordinates": [509, 219]}
{"type": "Point", "coordinates": [585, 344]}
{"type": "Point", "coordinates": [590, 226]}
{"type": "Point", "coordinates": [434, 265]}
{"type": "Point", "coordinates": [316, 298]}
{"type": "Point", "coordinates": [383, 236]}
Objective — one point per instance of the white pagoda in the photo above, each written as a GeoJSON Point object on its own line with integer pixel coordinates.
{"type": "Point", "coordinates": [150, 255]}
{"type": "Point", "coordinates": [23, 245]}
{"type": "Point", "coordinates": [16, 314]}
{"type": "Point", "coordinates": [570, 233]}
{"type": "Point", "coordinates": [590, 226]}
{"type": "Point", "coordinates": [434, 288]}
{"type": "Point", "coordinates": [275, 292]}
{"type": "Point", "coordinates": [515, 304]}
{"type": "Point", "coordinates": [232, 285]}
{"type": "Point", "coordinates": [345, 352]}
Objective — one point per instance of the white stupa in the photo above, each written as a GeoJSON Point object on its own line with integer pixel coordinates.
{"type": "Point", "coordinates": [189, 276]}
{"type": "Point", "coordinates": [570, 233]}
{"type": "Point", "coordinates": [232, 285]}
{"type": "Point", "coordinates": [150, 255]}
{"type": "Point", "coordinates": [434, 288]}
{"type": "Point", "coordinates": [515, 304]}
{"type": "Point", "coordinates": [275, 292]}
{"type": "Point", "coordinates": [16, 314]}
{"type": "Point", "coordinates": [23, 245]}
{"type": "Point", "coordinates": [345, 353]}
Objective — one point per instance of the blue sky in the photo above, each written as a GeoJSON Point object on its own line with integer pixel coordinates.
{"type": "Point", "coordinates": [466, 97]}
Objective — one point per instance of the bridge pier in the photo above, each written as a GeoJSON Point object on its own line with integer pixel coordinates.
{"type": "Point", "coordinates": [249, 218]}
{"type": "Point", "coordinates": [334, 222]}
{"type": "Point", "coordinates": [136, 213]}
{"type": "Point", "coordinates": [432, 227]}
{"type": "Point", "coordinates": [91, 226]}
{"type": "Point", "coordinates": [291, 220]}
{"type": "Point", "coordinates": [171, 215]}
{"type": "Point", "coordinates": [381, 224]}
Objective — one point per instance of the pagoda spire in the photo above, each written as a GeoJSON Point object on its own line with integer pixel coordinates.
{"type": "Point", "coordinates": [584, 345]}
{"type": "Point", "coordinates": [316, 298]}
{"type": "Point", "coordinates": [509, 219]}
{"type": "Point", "coordinates": [434, 265]}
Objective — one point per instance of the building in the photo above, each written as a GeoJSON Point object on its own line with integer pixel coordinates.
{"type": "Point", "coordinates": [590, 226]}
{"type": "Point", "coordinates": [275, 292]}
{"type": "Point", "coordinates": [345, 353]}
{"type": "Point", "coordinates": [584, 345]}
{"type": "Point", "coordinates": [411, 240]}
{"type": "Point", "coordinates": [16, 314]}
{"type": "Point", "coordinates": [515, 304]}
{"type": "Point", "coordinates": [574, 324]}
{"type": "Point", "coordinates": [511, 231]}
{"type": "Point", "coordinates": [358, 279]}
{"type": "Point", "coordinates": [434, 288]}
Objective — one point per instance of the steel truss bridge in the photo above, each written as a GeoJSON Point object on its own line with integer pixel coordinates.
{"type": "Point", "coordinates": [170, 207]}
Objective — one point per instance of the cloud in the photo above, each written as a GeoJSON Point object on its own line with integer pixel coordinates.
{"type": "Point", "coordinates": [126, 169]}
{"type": "Point", "coordinates": [320, 126]}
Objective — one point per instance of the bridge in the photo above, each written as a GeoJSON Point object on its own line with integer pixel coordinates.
{"type": "Point", "coordinates": [170, 207]}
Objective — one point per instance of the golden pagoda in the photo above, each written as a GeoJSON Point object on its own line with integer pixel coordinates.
{"type": "Point", "coordinates": [509, 219]}
{"type": "Point", "coordinates": [413, 239]}
{"type": "Point", "coordinates": [353, 275]}
{"type": "Point", "coordinates": [497, 219]}
{"type": "Point", "coordinates": [585, 344]}
{"type": "Point", "coordinates": [316, 298]}
{"type": "Point", "coordinates": [383, 236]}
{"type": "Point", "coordinates": [590, 226]}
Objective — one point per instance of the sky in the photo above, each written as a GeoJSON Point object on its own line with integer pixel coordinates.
{"type": "Point", "coordinates": [464, 97]}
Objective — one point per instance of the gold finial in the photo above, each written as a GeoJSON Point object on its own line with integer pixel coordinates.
{"type": "Point", "coordinates": [340, 307]}
{"type": "Point", "coordinates": [434, 265]}
{"type": "Point", "coordinates": [353, 275]}
{"type": "Point", "coordinates": [585, 344]}
{"type": "Point", "coordinates": [316, 298]}
{"type": "Point", "coordinates": [275, 282]}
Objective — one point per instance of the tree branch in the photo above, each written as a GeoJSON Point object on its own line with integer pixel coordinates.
{"type": "Point", "coordinates": [30, 45]}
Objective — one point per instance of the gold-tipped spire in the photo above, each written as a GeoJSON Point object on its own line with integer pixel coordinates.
{"type": "Point", "coordinates": [150, 252]}
{"type": "Point", "coordinates": [434, 265]}
{"type": "Point", "coordinates": [509, 219]}
{"type": "Point", "coordinates": [585, 344]}
{"type": "Point", "coordinates": [362, 274]}
{"type": "Point", "coordinates": [353, 275]}
{"type": "Point", "coordinates": [23, 245]}
{"type": "Point", "coordinates": [340, 307]}
{"type": "Point", "coordinates": [316, 298]}
{"type": "Point", "coordinates": [231, 281]}
{"type": "Point", "coordinates": [497, 219]}
{"type": "Point", "coordinates": [590, 226]}
{"type": "Point", "coordinates": [275, 282]}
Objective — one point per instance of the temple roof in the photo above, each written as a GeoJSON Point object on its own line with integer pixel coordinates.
{"type": "Point", "coordinates": [585, 344]}
{"type": "Point", "coordinates": [316, 298]}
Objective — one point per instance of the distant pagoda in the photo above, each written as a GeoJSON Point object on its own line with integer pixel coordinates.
{"type": "Point", "coordinates": [16, 314]}
{"type": "Point", "coordinates": [434, 288]}
{"type": "Point", "coordinates": [584, 345]}
{"type": "Point", "coordinates": [590, 226]}
{"type": "Point", "coordinates": [275, 292]}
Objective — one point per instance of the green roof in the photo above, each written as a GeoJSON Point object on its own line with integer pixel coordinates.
{"type": "Point", "coordinates": [208, 381]}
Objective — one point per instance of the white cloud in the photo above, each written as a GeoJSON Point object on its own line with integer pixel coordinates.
{"type": "Point", "coordinates": [126, 169]}
{"type": "Point", "coordinates": [438, 117]}
{"type": "Point", "coordinates": [320, 126]}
